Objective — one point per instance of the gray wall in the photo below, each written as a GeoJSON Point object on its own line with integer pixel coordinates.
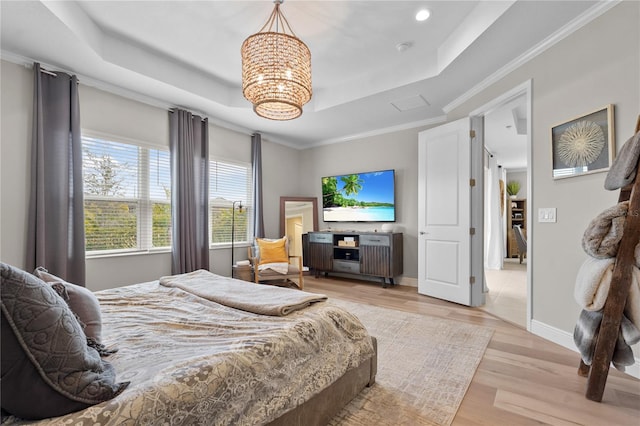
{"type": "Point", "coordinates": [106, 113]}
{"type": "Point", "coordinates": [397, 151]}
{"type": "Point", "coordinates": [595, 66]}
{"type": "Point", "coordinates": [16, 102]}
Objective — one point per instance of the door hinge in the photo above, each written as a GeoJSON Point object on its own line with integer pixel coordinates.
{"type": "Point", "coordinates": [472, 231]}
{"type": "Point", "coordinates": [472, 280]}
{"type": "Point", "coordinates": [472, 182]}
{"type": "Point", "coordinates": [472, 133]}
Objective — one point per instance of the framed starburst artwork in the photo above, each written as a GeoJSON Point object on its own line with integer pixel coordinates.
{"type": "Point", "coordinates": [583, 145]}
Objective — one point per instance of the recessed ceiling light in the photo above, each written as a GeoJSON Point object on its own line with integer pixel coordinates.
{"type": "Point", "coordinates": [401, 47]}
{"type": "Point", "coordinates": [423, 15]}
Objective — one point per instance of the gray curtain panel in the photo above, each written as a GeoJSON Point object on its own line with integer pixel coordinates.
{"type": "Point", "coordinates": [55, 236]}
{"type": "Point", "coordinates": [189, 147]}
{"type": "Point", "coordinates": [256, 169]}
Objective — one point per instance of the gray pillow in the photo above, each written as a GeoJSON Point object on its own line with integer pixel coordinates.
{"type": "Point", "coordinates": [82, 302]}
{"type": "Point", "coordinates": [47, 368]}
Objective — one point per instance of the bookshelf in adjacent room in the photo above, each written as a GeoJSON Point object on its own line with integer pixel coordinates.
{"type": "Point", "coordinates": [516, 216]}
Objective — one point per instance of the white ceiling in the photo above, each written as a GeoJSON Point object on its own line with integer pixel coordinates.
{"type": "Point", "coordinates": [505, 134]}
{"type": "Point", "coordinates": [187, 54]}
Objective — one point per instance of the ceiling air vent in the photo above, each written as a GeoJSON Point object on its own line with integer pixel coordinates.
{"type": "Point", "coordinates": [409, 103]}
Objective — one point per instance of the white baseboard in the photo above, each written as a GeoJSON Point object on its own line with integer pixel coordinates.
{"type": "Point", "coordinates": [565, 339]}
{"type": "Point", "coordinates": [408, 281]}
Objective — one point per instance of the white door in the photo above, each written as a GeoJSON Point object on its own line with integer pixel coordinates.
{"type": "Point", "coordinates": [444, 212]}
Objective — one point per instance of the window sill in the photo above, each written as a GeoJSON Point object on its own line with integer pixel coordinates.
{"type": "Point", "coordinates": [228, 245]}
{"type": "Point", "coordinates": [221, 246]}
{"type": "Point", "coordinates": [127, 253]}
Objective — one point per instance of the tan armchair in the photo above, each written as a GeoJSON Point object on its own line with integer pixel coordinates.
{"type": "Point", "coordinates": [271, 262]}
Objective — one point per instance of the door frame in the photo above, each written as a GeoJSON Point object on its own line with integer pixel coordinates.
{"type": "Point", "coordinates": [476, 156]}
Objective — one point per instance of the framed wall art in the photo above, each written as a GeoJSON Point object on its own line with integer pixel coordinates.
{"type": "Point", "coordinates": [583, 145]}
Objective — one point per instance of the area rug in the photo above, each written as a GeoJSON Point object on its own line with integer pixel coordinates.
{"type": "Point", "coordinates": [425, 365]}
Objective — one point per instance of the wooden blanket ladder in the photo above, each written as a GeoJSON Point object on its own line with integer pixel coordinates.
{"type": "Point", "coordinates": [618, 293]}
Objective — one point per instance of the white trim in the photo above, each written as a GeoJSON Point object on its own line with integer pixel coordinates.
{"type": "Point", "coordinates": [530, 221]}
{"type": "Point", "coordinates": [144, 99]}
{"type": "Point", "coordinates": [99, 254]}
{"type": "Point", "coordinates": [577, 23]}
{"type": "Point", "coordinates": [565, 339]}
{"type": "Point", "coordinates": [598, 9]}
{"type": "Point", "coordinates": [502, 99]}
{"type": "Point", "coordinates": [111, 137]}
{"type": "Point", "coordinates": [526, 90]}
{"type": "Point", "coordinates": [408, 281]}
{"type": "Point", "coordinates": [119, 91]}
{"type": "Point", "coordinates": [516, 169]}
{"type": "Point", "coordinates": [381, 131]}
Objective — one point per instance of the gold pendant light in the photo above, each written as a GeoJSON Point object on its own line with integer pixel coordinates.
{"type": "Point", "coordinates": [276, 69]}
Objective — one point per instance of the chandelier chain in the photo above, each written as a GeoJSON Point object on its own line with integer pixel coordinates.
{"type": "Point", "coordinates": [277, 18]}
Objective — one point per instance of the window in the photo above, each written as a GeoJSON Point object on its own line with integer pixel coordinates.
{"type": "Point", "coordinates": [229, 182]}
{"type": "Point", "coordinates": [127, 199]}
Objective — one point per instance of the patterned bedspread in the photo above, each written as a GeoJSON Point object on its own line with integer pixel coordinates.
{"type": "Point", "coordinates": [195, 362]}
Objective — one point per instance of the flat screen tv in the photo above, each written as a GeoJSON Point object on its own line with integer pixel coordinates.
{"type": "Point", "coordinates": [359, 197]}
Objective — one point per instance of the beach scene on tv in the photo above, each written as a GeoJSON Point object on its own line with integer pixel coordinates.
{"type": "Point", "coordinates": [360, 197]}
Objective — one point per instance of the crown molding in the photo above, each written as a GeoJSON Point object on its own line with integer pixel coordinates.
{"type": "Point", "coordinates": [382, 131]}
{"type": "Point", "coordinates": [125, 93]}
{"type": "Point", "coordinates": [577, 23]}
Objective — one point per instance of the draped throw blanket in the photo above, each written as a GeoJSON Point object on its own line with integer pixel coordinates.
{"type": "Point", "coordinates": [602, 237]}
{"type": "Point", "coordinates": [592, 283]}
{"type": "Point", "coordinates": [623, 169]}
{"type": "Point", "coordinates": [255, 298]}
{"type": "Point", "coordinates": [586, 332]}
{"type": "Point", "coordinates": [601, 241]}
{"type": "Point", "coordinates": [592, 287]}
{"type": "Point", "coordinates": [279, 267]}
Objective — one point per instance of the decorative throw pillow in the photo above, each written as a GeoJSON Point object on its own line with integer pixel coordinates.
{"type": "Point", "coordinates": [47, 368]}
{"type": "Point", "coordinates": [81, 300]}
{"type": "Point", "coordinates": [272, 251]}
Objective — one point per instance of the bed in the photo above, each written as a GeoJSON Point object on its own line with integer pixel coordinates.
{"type": "Point", "coordinates": [193, 361]}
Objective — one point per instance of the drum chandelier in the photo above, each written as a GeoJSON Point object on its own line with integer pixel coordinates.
{"type": "Point", "coordinates": [276, 69]}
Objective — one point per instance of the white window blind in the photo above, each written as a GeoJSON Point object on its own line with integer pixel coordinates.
{"type": "Point", "coordinates": [229, 182]}
{"type": "Point", "coordinates": [127, 196]}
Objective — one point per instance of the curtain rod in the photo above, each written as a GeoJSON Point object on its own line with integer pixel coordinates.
{"type": "Point", "coordinates": [199, 114]}
{"type": "Point", "coordinates": [488, 152]}
{"type": "Point", "coordinates": [48, 72]}
{"type": "Point", "coordinates": [51, 73]}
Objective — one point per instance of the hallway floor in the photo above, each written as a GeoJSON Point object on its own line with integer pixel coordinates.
{"type": "Point", "coordinates": [507, 296]}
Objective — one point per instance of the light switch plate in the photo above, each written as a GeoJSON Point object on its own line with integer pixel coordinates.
{"type": "Point", "coordinates": [547, 214]}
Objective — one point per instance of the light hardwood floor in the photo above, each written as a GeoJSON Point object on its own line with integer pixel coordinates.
{"type": "Point", "coordinates": [507, 295]}
{"type": "Point", "coordinates": [522, 379]}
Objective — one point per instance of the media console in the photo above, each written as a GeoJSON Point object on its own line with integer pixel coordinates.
{"type": "Point", "coordinates": [377, 254]}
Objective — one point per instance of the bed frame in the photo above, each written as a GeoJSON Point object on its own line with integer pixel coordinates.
{"type": "Point", "coordinates": [321, 408]}
{"type": "Point", "coordinates": [318, 409]}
